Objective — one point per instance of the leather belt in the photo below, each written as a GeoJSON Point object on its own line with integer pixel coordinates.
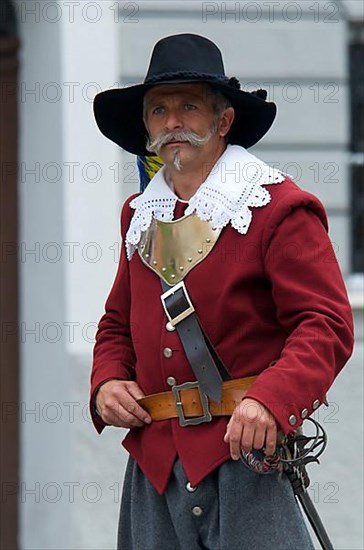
{"type": "Point", "coordinates": [188, 403]}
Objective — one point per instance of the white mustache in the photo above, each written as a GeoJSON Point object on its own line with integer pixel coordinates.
{"type": "Point", "coordinates": [154, 146]}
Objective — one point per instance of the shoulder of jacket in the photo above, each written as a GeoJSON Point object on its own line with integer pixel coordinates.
{"type": "Point", "coordinates": [285, 199]}
{"type": "Point", "coordinates": [126, 205]}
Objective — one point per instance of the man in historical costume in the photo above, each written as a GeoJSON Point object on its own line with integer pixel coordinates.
{"type": "Point", "coordinates": [252, 327]}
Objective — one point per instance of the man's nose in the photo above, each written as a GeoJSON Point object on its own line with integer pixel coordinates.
{"type": "Point", "coordinates": [173, 121]}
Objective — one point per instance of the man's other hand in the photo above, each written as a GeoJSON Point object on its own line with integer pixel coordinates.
{"type": "Point", "coordinates": [116, 403]}
{"type": "Point", "coordinates": [251, 426]}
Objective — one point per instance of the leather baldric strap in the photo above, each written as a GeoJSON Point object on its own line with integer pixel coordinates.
{"type": "Point", "coordinates": [187, 403]}
{"type": "Point", "coordinates": [203, 358]}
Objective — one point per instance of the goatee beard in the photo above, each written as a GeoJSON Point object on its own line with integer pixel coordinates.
{"type": "Point", "coordinates": [177, 161]}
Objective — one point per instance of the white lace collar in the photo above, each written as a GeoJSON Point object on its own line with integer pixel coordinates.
{"type": "Point", "coordinates": [233, 185]}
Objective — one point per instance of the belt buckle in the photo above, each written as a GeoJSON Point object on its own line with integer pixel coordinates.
{"type": "Point", "coordinates": [183, 421]}
{"type": "Point", "coordinates": [183, 314]}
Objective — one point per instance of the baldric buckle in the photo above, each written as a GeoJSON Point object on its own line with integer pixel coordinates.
{"type": "Point", "coordinates": [177, 303]}
{"type": "Point", "coordinates": [183, 421]}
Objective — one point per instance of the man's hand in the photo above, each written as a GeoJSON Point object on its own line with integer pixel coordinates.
{"type": "Point", "coordinates": [251, 426]}
{"type": "Point", "coordinates": [117, 406]}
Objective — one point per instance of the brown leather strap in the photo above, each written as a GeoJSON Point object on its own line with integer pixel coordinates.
{"type": "Point", "coordinates": [162, 406]}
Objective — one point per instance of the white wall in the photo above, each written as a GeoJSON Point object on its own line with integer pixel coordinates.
{"type": "Point", "coordinates": [354, 9]}
{"type": "Point", "coordinates": [45, 433]}
{"type": "Point", "coordinates": [90, 54]}
{"type": "Point", "coordinates": [90, 58]}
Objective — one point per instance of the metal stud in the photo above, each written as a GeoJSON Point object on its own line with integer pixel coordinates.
{"type": "Point", "coordinates": [189, 260]}
{"type": "Point", "coordinates": [197, 511]}
{"type": "Point", "coordinates": [208, 240]}
{"type": "Point", "coordinates": [304, 413]}
{"type": "Point", "coordinates": [181, 267]}
{"type": "Point", "coordinates": [164, 269]}
{"type": "Point", "coordinates": [167, 352]}
{"type": "Point", "coordinates": [171, 381]}
{"type": "Point", "coordinates": [173, 276]}
{"type": "Point", "coordinates": [315, 404]}
{"type": "Point", "coordinates": [154, 262]}
{"type": "Point", "coordinates": [170, 327]}
{"type": "Point", "coordinates": [147, 256]}
{"type": "Point", "coordinates": [292, 420]}
{"type": "Point", "coordinates": [200, 250]}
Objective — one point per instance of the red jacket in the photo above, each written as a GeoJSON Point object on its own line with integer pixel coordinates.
{"type": "Point", "coordinates": [274, 294]}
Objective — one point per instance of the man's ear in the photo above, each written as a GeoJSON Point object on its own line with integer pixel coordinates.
{"type": "Point", "coordinates": [226, 120]}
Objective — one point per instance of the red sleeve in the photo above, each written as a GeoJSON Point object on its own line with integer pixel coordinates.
{"type": "Point", "coordinates": [113, 354]}
{"type": "Point", "coordinates": [313, 307]}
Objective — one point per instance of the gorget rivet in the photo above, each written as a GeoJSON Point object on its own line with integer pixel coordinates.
{"type": "Point", "coordinates": [208, 240]}
{"type": "Point", "coordinates": [173, 276]}
{"type": "Point", "coordinates": [154, 262]}
{"type": "Point", "coordinates": [164, 269]}
{"type": "Point", "coordinates": [181, 267]}
{"type": "Point", "coordinates": [189, 259]}
{"type": "Point", "coordinates": [200, 250]}
{"type": "Point", "coordinates": [147, 256]}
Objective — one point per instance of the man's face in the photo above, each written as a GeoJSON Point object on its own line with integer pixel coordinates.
{"type": "Point", "coordinates": [172, 108]}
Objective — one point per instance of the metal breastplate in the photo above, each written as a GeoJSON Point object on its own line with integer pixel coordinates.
{"type": "Point", "coordinates": [172, 249]}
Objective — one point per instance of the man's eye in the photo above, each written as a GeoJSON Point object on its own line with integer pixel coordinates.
{"type": "Point", "coordinates": [158, 110]}
{"type": "Point", "coordinates": [190, 107]}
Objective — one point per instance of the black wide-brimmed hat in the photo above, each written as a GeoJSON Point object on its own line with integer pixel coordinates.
{"type": "Point", "coordinates": [182, 58]}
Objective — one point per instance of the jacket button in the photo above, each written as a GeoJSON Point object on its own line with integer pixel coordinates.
{"type": "Point", "coordinates": [170, 327]}
{"type": "Point", "coordinates": [167, 352]}
{"type": "Point", "coordinates": [304, 413]}
{"type": "Point", "coordinates": [171, 381]}
{"type": "Point", "coordinates": [315, 404]}
{"type": "Point", "coordinates": [292, 419]}
{"type": "Point", "coordinates": [197, 511]}
{"type": "Point", "coordinates": [190, 488]}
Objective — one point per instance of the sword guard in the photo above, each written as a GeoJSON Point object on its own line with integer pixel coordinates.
{"type": "Point", "coordinates": [298, 449]}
